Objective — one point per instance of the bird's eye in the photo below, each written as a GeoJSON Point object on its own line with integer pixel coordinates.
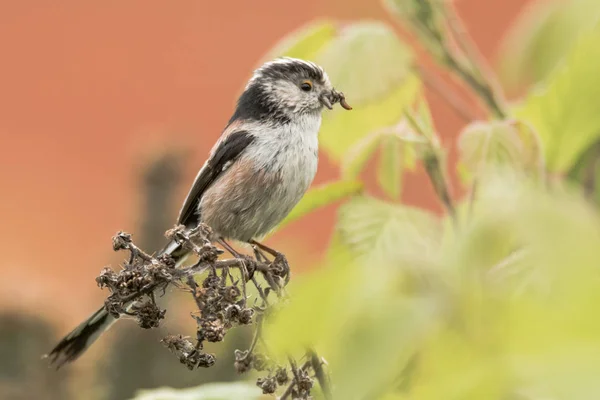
{"type": "Point", "coordinates": [306, 86]}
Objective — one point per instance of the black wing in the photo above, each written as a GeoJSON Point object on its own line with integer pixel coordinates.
{"type": "Point", "coordinates": [226, 152]}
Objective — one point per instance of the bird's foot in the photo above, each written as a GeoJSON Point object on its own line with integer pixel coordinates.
{"type": "Point", "coordinates": [279, 266]}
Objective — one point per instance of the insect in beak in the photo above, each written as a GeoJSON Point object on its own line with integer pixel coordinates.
{"type": "Point", "coordinates": [330, 98]}
{"type": "Point", "coordinates": [342, 99]}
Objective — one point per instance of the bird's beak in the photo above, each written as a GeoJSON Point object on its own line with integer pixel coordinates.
{"type": "Point", "coordinates": [324, 98]}
{"type": "Point", "coordinates": [329, 98]}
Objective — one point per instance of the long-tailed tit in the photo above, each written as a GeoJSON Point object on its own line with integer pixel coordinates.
{"type": "Point", "coordinates": [263, 163]}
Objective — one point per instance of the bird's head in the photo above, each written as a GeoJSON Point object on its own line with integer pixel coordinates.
{"type": "Point", "coordinates": [286, 88]}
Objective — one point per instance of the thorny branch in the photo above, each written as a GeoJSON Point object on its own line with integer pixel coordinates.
{"type": "Point", "coordinates": [221, 301]}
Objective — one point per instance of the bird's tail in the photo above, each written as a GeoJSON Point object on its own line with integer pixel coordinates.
{"type": "Point", "coordinates": [81, 338]}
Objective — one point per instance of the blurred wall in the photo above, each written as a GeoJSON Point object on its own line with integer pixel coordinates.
{"type": "Point", "coordinates": [90, 90]}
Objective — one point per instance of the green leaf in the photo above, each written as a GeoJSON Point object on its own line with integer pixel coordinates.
{"type": "Point", "coordinates": [352, 317]}
{"type": "Point", "coordinates": [389, 169]}
{"type": "Point", "coordinates": [399, 148]}
{"type": "Point", "coordinates": [306, 42]}
{"type": "Point", "coordinates": [358, 155]}
{"type": "Point", "coordinates": [321, 196]}
{"type": "Point", "coordinates": [541, 37]}
{"type": "Point", "coordinates": [213, 391]}
{"type": "Point", "coordinates": [407, 142]}
{"type": "Point", "coordinates": [367, 62]}
{"type": "Point", "coordinates": [371, 66]}
{"type": "Point", "coordinates": [391, 234]}
{"type": "Point", "coordinates": [565, 112]}
{"type": "Point", "coordinates": [424, 120]}
{"type": "Point", "coordinates": [486, 144]}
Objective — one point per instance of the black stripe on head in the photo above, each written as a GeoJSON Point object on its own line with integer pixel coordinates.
{"type": "Point", "coordinates": [258, 104]}
{"type": "Point", "coordinates": [255, 104]}
{"type": "Point", "coordinates": [291, 68]}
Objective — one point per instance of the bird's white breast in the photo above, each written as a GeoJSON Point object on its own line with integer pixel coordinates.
{"type": "Point", "coordinates": [289, 153]}
{"type": "Point", "coordinates": [292, 151]}
{"type": "Point", "coordinates": [268, 180]}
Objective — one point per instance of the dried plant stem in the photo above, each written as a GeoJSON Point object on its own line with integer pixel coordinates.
{"type": "Point", "coordinates": [257, 334]}
{"type": "Point", "coordinates": [296, 372]}
{"type": "Point", "coordinates": [321, 375]}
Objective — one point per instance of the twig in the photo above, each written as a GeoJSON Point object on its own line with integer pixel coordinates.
{"type": "Point", "coordinates": [322, 377]}
{"type": "Point", "coordinates": [479, 76]}
{"type": "Point", "coordinates": [433, 167]}
{"type": "Point", "coordinates": [294, 368]}
{"type": "Point", "coordinates": [439, 181]}
{"type": "Point", "coordinates": [288, 391]}
{"type": "Point", "coordinates": [194, 288]}
{"type": "Point", "coordinates": [467, 45]}
{"type": "Point", "coordinates": [257, 335]}
{"type": "Point", "coordinates": [261, 292]}
{"type": "Point", "coordinates": [481, 88]}
{"type": "Point", "coordinates": [435, 36]}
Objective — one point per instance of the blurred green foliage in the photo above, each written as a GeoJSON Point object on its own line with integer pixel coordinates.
{"type": "Point", "coordinates": [494, 301]}
{"type": "Point", "coordinates": [564, 110]}
{"type": "Point", "coordinates": [370, 64]}
{"type": "Point", "coordinates": [486, 145]}
{"type": "Point", "coordinates": [213, 391]}
{"type": "Point", "coordinates": [322, 195]}
{"type": "Point", "coordinates": [541, 36]}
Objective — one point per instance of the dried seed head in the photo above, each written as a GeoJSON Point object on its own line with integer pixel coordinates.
{"type": "Point", "coordinates": [212, 331]}
{"type": "Point", "coordinates": [189, 355]}
{"type": "Point", "coordinates": [230, 293]}
{"type": "Point", "coordinates": [206, 360]}
{"type": "Point", "coordinates": [107, 278]}
{"type": "Point", "coordinates": [149, 315]}
{"type": "Point", "coordinates": [305, 383]}
{"type": "Point", "coordinates": [246, 316]}
{"type": "Point", "coordinates": [212, 281]}
{"type": "Point", "coordinates": [233, 312]}
{"type": "Point", "coordinates": [268, 384]}
{"type": "Point", "coordinates": [197, 359]}
{"type": "Point", "coordinates": [167, 260]}
{"type": "Point", "coordinates": [207, 253]}
{"type": "Point", "coordinates": [178, 343]}
{"type": "Point", "coordinates": [282, 376]}
{"type": "Point", "coordinates": [121, 241]}
{"type": "Point", "coordinates": [243, 361]}
{"type": "Point", "coordinates": [175, 233]}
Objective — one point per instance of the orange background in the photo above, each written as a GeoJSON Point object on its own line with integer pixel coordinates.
{"type": "Point", "coordinates": [89, 89]}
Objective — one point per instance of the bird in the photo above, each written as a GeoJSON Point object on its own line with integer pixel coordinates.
{"type": "Point", "coordinates": [258, 170]}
